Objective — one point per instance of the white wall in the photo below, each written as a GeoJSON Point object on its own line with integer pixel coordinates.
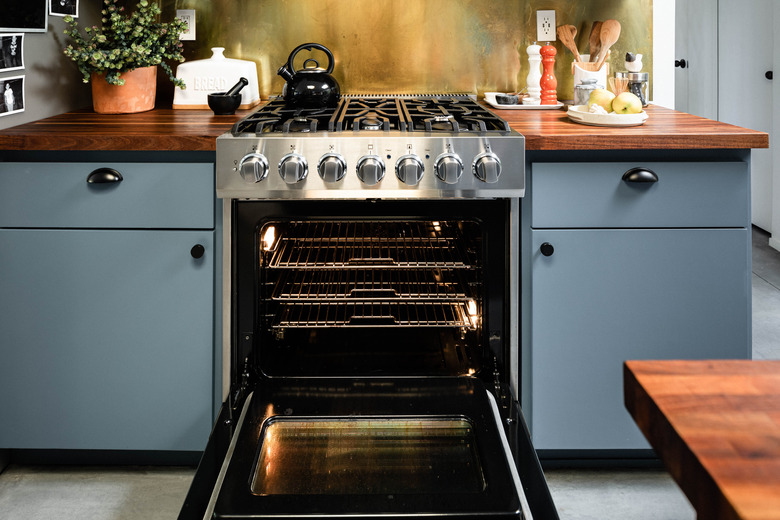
{"type": "Point", "coordinates": [663, 52]}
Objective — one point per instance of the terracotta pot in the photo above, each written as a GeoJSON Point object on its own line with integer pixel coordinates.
{"type": "Point", "coordinates": [136, 95]}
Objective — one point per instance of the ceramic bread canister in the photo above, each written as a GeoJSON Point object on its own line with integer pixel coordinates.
{"type": "Point", "coordinates": [215, 74]}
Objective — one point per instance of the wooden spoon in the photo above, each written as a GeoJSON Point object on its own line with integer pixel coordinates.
{"type": "Point", "coordinates": [610, 32]}
{"type": "Point", "coordinates": [594, 42]}
{"type": "Point", "coordinates": [566, 34]}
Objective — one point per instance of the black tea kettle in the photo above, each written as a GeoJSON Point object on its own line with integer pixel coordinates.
{"type": "Point", "coordinates": [310, 87]}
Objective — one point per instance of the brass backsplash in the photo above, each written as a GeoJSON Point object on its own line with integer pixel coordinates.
{"type": "Point", "coordinates": [422, 46]}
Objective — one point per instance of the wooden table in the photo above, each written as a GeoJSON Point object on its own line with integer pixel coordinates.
{"type": "Point", "coordinates": [716, 426]}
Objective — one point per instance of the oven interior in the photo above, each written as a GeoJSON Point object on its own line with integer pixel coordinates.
{"type": "Point", "coordinates": [370, 297]}
{"type": "Point", "coordinates": [374, 289]}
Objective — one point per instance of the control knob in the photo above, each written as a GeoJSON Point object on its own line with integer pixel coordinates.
{"type": "Point", "coordinates": [293, 168]}
{"type": "Point", "coordinates": [486, 167]}
{"type": "Point", "coordinates": [370, 169]}
{"type": "Point", "coordinates": [448, 167]}
{"type": "Point", "coordinates": [409, 169]}
{"type": "Point", "coordinates": [253, 167]}
{"type": "Point", "coordinates": [332, 167]}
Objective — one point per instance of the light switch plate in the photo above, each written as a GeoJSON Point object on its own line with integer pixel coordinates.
{"type": "Point", "coordinates": [188, 15]}
{"type": "Point", "coordinates": [545, 26]}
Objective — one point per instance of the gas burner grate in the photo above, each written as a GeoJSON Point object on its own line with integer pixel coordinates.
{"type": "Point", "coordinates": [277, 117]}
{"type": "Point", "coordinates": [432, 114]}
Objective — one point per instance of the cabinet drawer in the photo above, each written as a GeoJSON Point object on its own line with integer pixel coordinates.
{"type": "Point", "coordinates": [150, 195]}
{"type": "Point", "coordinates": [594, 195]}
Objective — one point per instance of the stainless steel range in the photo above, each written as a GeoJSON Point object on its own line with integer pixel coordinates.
{"type": "Point", "coordinates": [388, 147]}
{"type": "Point", "coordinates": [370, 316]}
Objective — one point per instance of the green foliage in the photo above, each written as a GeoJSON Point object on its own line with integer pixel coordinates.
{"type": "Point", "coordinates": [126, 42]}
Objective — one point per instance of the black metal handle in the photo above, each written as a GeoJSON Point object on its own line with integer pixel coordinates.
{"type": "Point", "coordinates": [547, 249]}
{"type": "Point", "coordinates": [308, 47]}
{"type": "Point", "coordinates": [197, 251]}
{"type": "Point", "coordinates": [640, 175]}
{"type": "Point", "coordinates": [680, 63]}
{"type": "Point", "coordinates": [768, 74]}
{"type": "Point", "coordinates": [104, 176]}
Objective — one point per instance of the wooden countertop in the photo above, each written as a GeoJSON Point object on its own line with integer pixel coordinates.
{"type": "Point", "coordinates": [716, 426]}
{"type": "Point", "coordinates": [196, 130]}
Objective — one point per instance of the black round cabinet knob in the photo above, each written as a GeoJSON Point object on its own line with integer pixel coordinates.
{"type": "Point", "coordinates": [547, 249]}
{"type": "Point", "coordinates": [197, 251]}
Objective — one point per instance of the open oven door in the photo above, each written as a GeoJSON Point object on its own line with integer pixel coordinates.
{"type": "Point", "coordinates": [363, 448]}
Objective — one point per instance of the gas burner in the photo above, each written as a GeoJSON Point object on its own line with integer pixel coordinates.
{"type": "Point", "coordinates": [299, 124]}
{"type": "Point", "coordinates": [372, 122]}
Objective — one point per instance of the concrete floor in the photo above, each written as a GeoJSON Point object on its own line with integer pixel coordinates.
{"type": "Point", "coordinates": [148, 493]}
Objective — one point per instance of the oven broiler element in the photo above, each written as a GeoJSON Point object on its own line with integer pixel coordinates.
{"type": "Point", "coordinates": [432, 147]}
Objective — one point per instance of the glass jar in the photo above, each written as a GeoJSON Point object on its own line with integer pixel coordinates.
{"type": "Point", "coordinates": [583, 90]}
{"type": "Point", "coordinates": [637, 84]}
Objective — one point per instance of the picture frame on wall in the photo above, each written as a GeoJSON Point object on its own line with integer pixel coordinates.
{"type": "Point", "coordinates": [64, 8]}
{"type": "Point", "coordinates": [11, 51]}
{"type": "Point", "coordinates": [12, 95]}
{"type": "Point", "coordinates": [24, 16]}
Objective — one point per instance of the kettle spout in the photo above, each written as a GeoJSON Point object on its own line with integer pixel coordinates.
{"type": "Point", "coordinates": [284, 71]}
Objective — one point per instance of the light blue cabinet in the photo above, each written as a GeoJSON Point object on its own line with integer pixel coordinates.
{"type": "Point", "coordinates": [107, 323]}
{"type": "Point", "coordinates": [656, 270]}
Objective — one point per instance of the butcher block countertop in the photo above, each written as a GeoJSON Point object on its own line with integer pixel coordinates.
{"type": "Point", "coordinates": [195, 130]}
{"type": "Point", "coordinates": [716, 426]}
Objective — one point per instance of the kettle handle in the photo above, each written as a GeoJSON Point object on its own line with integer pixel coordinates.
{"type": "Point", "coordinates": [308, 47]}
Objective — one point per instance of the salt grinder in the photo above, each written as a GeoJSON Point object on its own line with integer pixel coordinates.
{"type": "Point", "coordinates": [534, 75]}
{"type": "Point", "coordinates": [548, 82]}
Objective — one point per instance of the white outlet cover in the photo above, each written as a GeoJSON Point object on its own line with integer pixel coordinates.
{"type": "Point", "coordinates": [545, 26]}
{"type": "Point", "coordinates": [188, 15]}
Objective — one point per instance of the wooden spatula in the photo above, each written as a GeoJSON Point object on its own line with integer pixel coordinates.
{"type": "Point", "coordinates": [610, 32]}
{"type": "Point", "coordinates": [594, 42]}
{"type": "Point", "coordinates": [566, 34]}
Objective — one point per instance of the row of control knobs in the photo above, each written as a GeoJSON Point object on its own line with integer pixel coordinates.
{"type": "Point", "coordinates": [332, 167]}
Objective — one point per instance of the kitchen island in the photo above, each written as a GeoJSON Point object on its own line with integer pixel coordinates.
{"type": "Point", "coordinates": [659, 269]}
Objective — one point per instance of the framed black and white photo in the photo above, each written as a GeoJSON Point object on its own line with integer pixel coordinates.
{"type": "Point", "coordinates": [12, 96]}
{"type": "Point", "coordinates": [64, 8]}
{"type": "Point", "coordinates": [11, 55]}
{"type": "Point", "coordinates": [24, 15]}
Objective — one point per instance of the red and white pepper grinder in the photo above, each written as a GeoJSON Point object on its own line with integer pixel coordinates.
{"type": "Point", "coordinates": [548, 83]}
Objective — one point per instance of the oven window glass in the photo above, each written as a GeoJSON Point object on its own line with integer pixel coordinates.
{"type": "Point", "coordinates": [367, 456]}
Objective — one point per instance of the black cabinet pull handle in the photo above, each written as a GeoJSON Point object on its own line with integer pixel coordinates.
{"type": "Point", "coordinates": [680, 63]}
{"type": "Point", "coordinates": [768, 74]}
{"type": "Point", "coordinates": [640, 175]}
{"type": "Point", "coordinates": [547, 249]}
{"type": "Point", "coordinates": [104, 176]}
{"type": "Point", "coordinates": [197, 251]}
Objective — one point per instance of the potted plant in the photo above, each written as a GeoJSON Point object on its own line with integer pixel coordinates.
{"type": "Point", "coordinates": [121, 57]}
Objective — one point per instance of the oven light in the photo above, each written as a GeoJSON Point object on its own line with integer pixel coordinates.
{"type": "Point", "coordinates": [268, 238]}
{"type": "Point", "coordinates": [471, 309]}
{"type": "Point", "coordinates": [436, 226]}
{"type": "Point", "coordinates": [471, 371]}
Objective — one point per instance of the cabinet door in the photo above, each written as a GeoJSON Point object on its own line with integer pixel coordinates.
{"type": "Point", "coordinates": [106, 339]}
{"type": "Point", "coordinates": [608, 295]}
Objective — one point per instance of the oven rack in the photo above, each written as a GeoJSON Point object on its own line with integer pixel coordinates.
{"type": "Point", "coordinates": [364, 284]}
{"type": "Point", "coordinates": [369, 244]}
{"type": "Point", "coordinates": [373, 314]}
{"type": "Point", "coordinates": [368, 253]}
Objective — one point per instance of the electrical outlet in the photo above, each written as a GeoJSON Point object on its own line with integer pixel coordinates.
{"type": "Point", "coordinates": [187, 15]}
{"type": "Point", "coordinates": [545, 26]}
